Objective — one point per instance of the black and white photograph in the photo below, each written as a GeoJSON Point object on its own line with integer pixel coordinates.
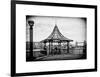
{"type": "Point", "coordinates": [52, 38]}
{"type": "Point", "coordinates": [55, 38]}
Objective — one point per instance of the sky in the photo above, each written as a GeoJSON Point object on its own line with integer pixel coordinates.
{"type": "Point", "coordinates": [73, 28]}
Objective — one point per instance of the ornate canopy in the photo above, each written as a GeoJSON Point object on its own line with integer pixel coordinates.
{"type": "Point", "coordinates": [56, 36]}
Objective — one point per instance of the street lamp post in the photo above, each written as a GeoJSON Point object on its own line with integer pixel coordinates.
{"type": "Point", "coordinates": [31, 24]}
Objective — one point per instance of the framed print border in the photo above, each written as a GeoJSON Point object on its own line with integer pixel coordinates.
{"type": "Point", "coordinates": [13, 37]}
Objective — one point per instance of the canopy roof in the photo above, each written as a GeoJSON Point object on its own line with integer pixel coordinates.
{"type": "Point", "coordinates": [56, 35]}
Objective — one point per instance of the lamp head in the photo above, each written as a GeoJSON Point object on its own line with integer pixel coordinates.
{"type": "Point", "coordinates": [31, 23]}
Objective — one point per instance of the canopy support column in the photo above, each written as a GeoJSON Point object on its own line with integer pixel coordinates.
{"type": "Point", "coordinates": [45, 48]}
{"type": "Point", "coordinates": [67, 46]}
{"type": "Point", "coordinates": [49, 48]}
{"type": "Point", "coordinates": [59, 47]}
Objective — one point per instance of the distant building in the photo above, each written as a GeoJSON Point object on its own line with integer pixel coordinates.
{"type": "Point", "coordinates": [38, 45]}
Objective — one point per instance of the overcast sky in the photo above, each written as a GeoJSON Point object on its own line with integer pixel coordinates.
{"type": "Point", "coordinates": [71, 27]}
